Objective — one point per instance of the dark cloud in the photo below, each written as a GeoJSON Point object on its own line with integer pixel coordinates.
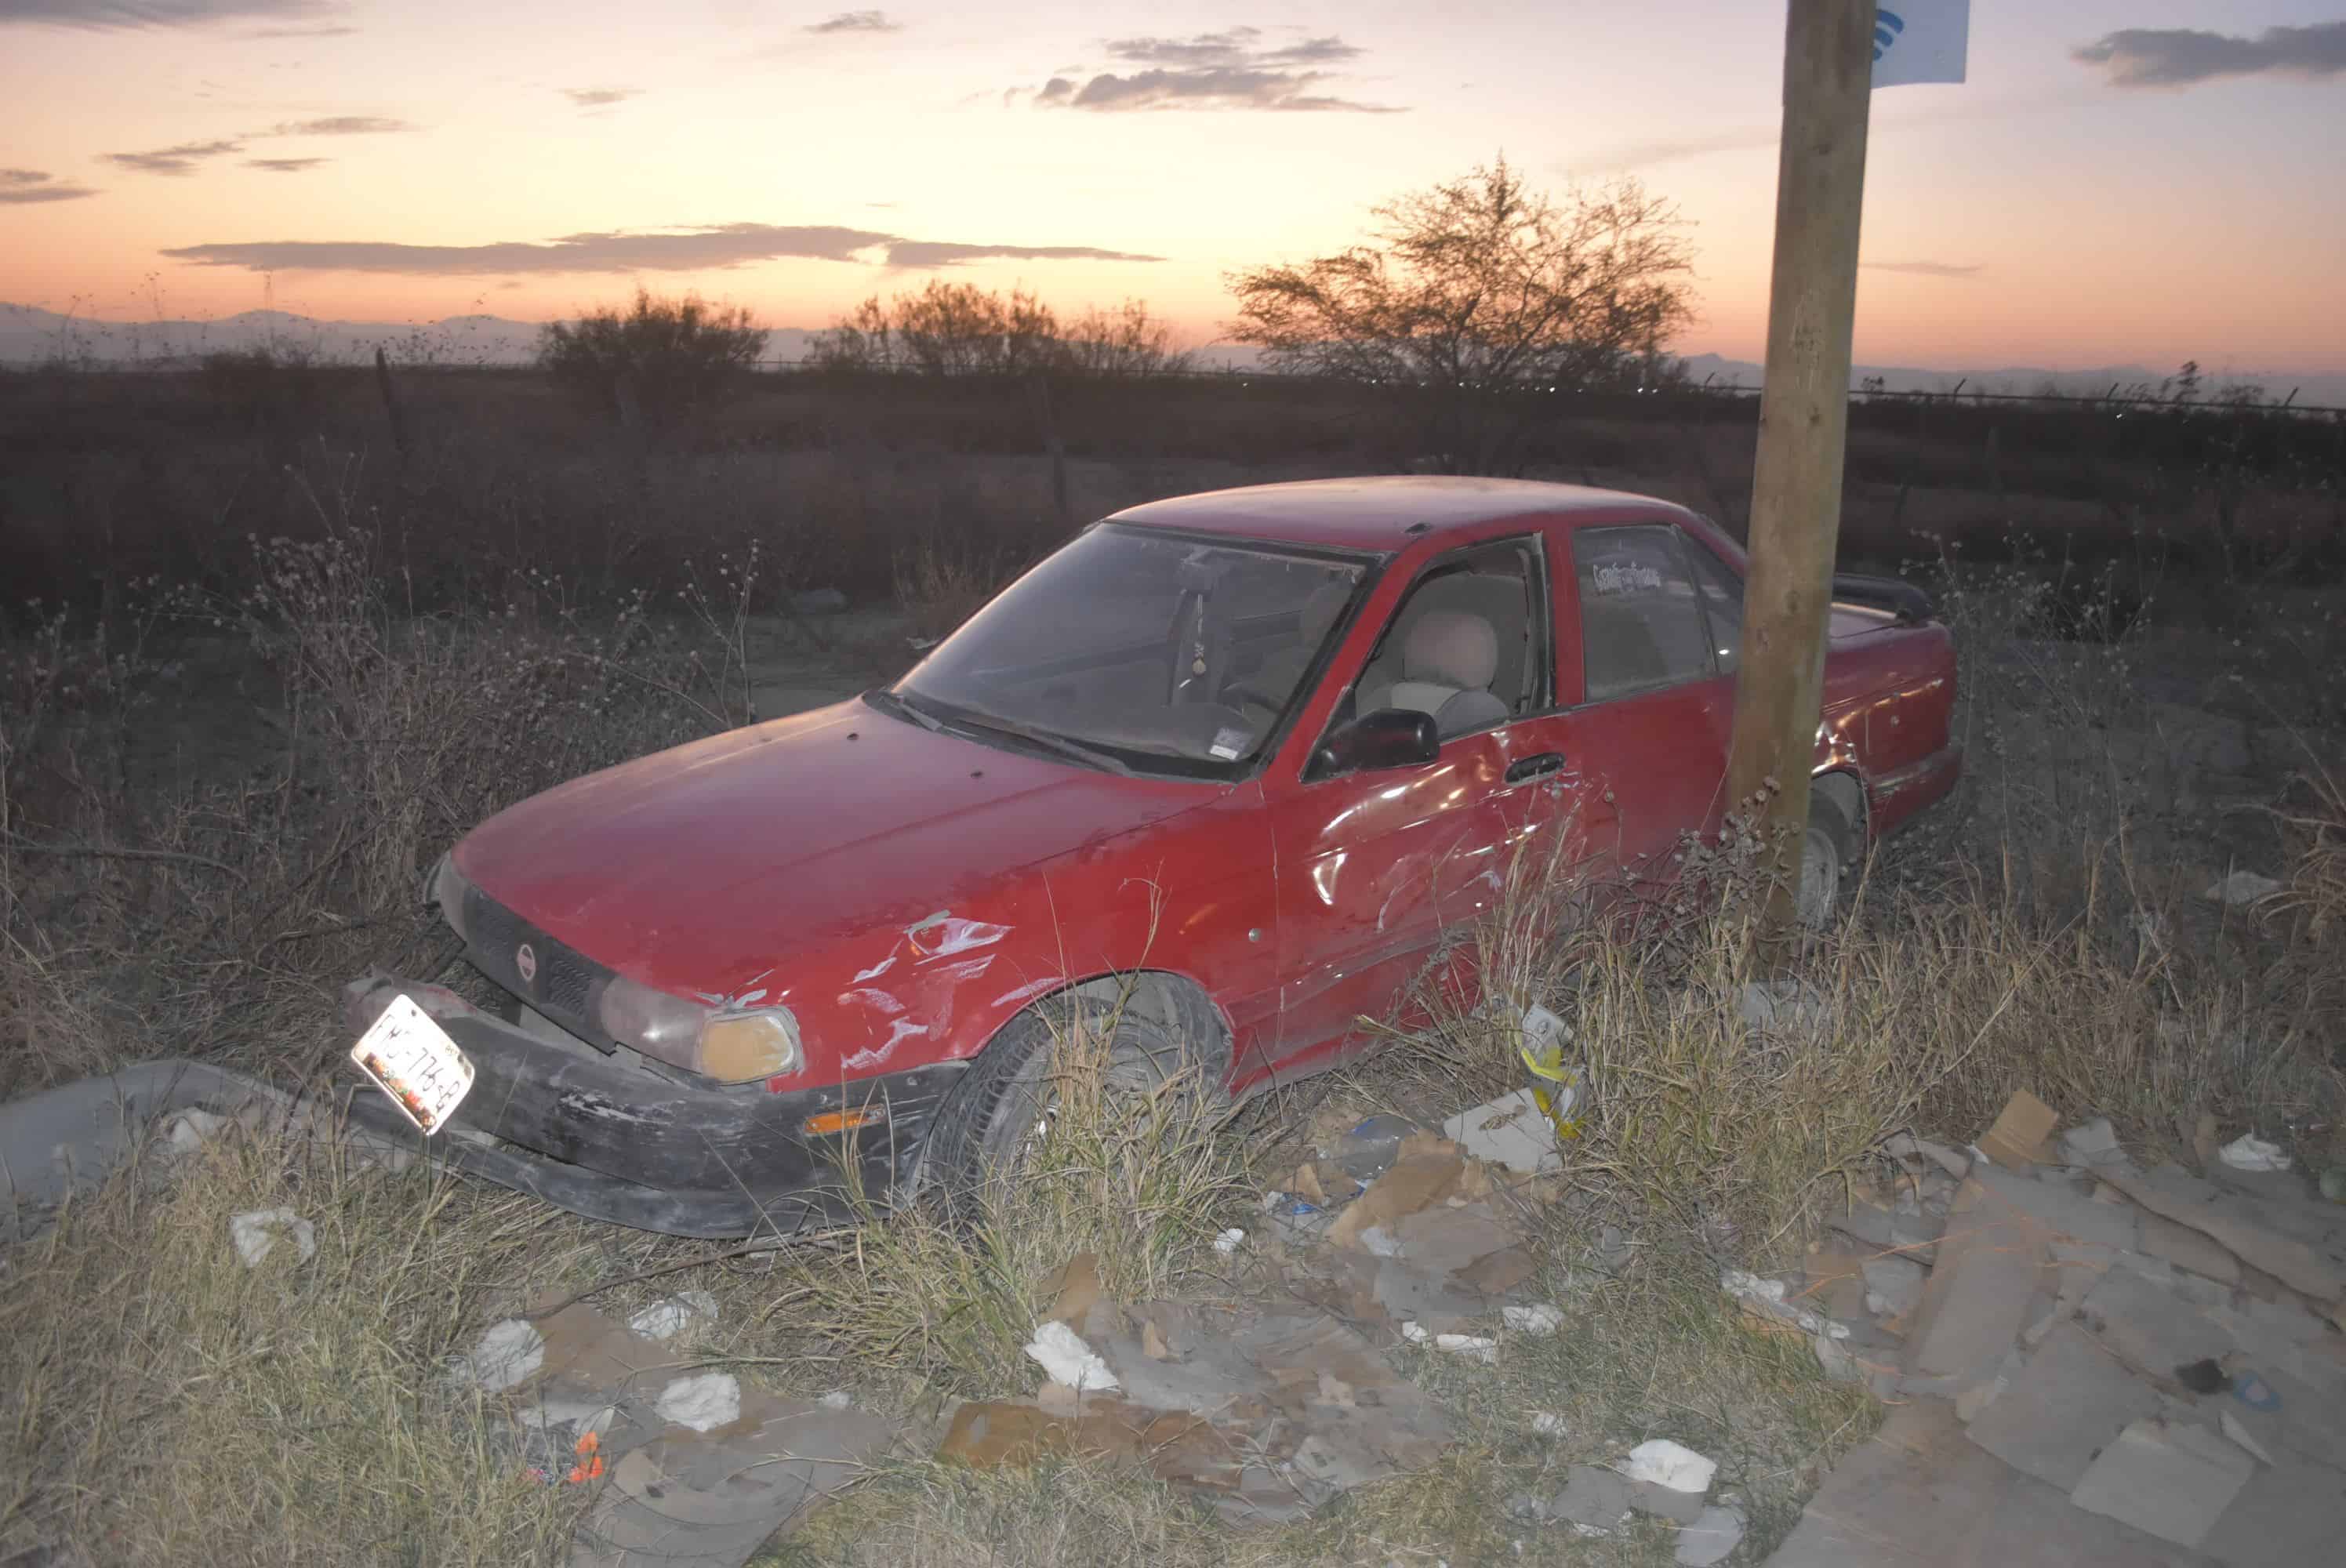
{"type": "Point", "coordinates": [928, 253]}
{"type": "Point", "coordinates": [1208, 87]}
{"type": "Point", "coordinates": [856, 21]}
{"type": "Point", "coordinates": [150, 13]}
{"type": "Point", "coordinates": [669, 251]}
{"type": "Point", "coordinates": [662, 251]}
{"type": "Point", "coordinates": [298, 33]}
{"type": "Point", "coordinates": [1235, 46]}
{"type": "Point", "coordinates": [22, 186]}
{"type": "Point", "coordinates": [1227, 70]}
{"type": "Point", "coordinates": [1927, 268]}
{"type": "Point", "coordinates": [286, 165]}
{"type": "Point", "coordinates": [2179, 56]}
{"type": "Point", "coordinates": [184, 158]}
{"type": "Point", "coordinates": [338, 125]}
{"type": "Point", "coordinates": [596, 97]}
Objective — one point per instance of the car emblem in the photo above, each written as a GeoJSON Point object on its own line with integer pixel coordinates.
{"type": "Point", "coordinates": [525, 960]}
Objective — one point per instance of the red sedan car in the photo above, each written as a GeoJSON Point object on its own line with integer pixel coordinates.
{"type": "Point", "coordinates": [1246, 754]}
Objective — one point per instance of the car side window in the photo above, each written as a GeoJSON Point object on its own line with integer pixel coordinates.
{"type": "Point", "coordinates": [1722, 603]}
{"type": "Point", "coordinates": [1468, 645]}
{"type": "Point", "coordinates": [1641, 623]}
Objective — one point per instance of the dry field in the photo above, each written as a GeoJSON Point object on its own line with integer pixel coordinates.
{"type": "Point", "coordinates": [278, 665]}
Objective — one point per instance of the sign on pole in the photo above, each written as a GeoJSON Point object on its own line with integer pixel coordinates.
{"type": "Point", "coordinates": [1921, 41]}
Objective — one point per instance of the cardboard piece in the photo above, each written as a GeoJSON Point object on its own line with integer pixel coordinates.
{"type": "Point", "coordinates": [2165, 1479]}
{"type": "Point", "coordinates": [1075, 1291]}
{"type": "Point", "coordinates": [2017, 1139]}
{"type": "Point", "coordinates": [2310, 1261]}
{"type": "Point", "coordinates": [1978, 1296]}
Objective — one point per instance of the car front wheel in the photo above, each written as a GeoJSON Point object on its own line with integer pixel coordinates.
{"type": "Point", "coordinates": [1007, 1104]}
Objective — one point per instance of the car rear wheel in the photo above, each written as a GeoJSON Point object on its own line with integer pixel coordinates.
{"type": "Point", "coordinates": [1825, 859]}
{"type": "Point", "coordinates": [1007, 1103]}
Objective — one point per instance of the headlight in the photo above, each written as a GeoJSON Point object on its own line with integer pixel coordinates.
{"type": "Point", "coordinates": [731, 1047]}
{"type": "Point", "coordinates": [448, 886]}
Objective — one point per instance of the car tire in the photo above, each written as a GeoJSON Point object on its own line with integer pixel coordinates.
{"type": "Point", "coordinates": [1821, 899]}
{"type": "Point", "coordinates": [980, 1135]}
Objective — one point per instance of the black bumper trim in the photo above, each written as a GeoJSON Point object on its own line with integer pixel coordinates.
{"type": "Point", "coordinates": [612, 1139]}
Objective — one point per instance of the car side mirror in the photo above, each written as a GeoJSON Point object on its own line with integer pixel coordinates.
{"type": "Point", "coordinates": [1389, 738]}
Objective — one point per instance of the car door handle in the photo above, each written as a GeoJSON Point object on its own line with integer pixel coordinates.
{"type": "Point", "coordinates": [1524, 768]}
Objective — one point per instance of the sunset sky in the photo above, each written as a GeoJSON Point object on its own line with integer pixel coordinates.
{"type": "Point", "coordinates": [2119, 181]}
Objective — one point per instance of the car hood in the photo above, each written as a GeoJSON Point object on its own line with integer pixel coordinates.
{"type": "Point", "coordinates": [696, 868]}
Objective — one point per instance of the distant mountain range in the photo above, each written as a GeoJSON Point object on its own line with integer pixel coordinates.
{"type": "Point", "coordinates": [29, 335]}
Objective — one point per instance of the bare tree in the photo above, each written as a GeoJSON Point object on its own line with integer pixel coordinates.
{"type": "Point", "coordinates": [660, 361]}
{"type": "Point", "coordinates": [961, 329]}
{"type": "Point", "coordinates": [1473, 294]}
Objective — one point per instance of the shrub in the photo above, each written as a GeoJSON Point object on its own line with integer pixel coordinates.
{"type": "Point", "coordinates": [660, 362]}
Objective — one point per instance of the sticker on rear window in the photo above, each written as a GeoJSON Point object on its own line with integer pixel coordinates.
{"type": "Point", "coordinates": [1228, 743]}
{"type": "Point", "coordinates": [1625, 577]}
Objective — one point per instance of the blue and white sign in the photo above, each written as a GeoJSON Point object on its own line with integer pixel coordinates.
{"type": "Point", "coordinates": [1919, 41]}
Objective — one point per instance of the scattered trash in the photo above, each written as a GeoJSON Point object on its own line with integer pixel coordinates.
{"type": "Point", "coordinates": [1512, 1131]}
{"type": "Point", "coordinates": [191, 1129]}
{"type": "Point", "coordinates": [2017, 1140]}
{"type": "Point", "coordinates": [1658, 1462]}
{"type": "Point", "coordinates": [702, 1400]}
{"type": "Point", "coordinates": [2091, 1144]}
{"type": "Point", "coordinates": [506, 1354]}
{"type": "Point", "coordinates": [2156, 1348]}
{"type": "Point", "coordinates": [254, 1234]}
{"type": "Point", "coordinates": [2250, 1153]}
{"type": "Point", "coordinates": [1766, 1297]}
{"type": "Point", "coordinates": [1229, 1241]}
{"type": "Point", "coordinates": [664, 1321]}
{"type": "Point", "coordinates": [1539, 1319]}
{"type": "Point", "coordinates": [837, 1400]}
{"type": "Point", "coordinates": [2242, 888]}
{"type": "Point", "coordinates": [1061, 1352]}
{"type": "Point", "coordinates": [1370, 1149]}
{"type": "Point", "coordinates": [1480, 1345]}
{"type": "Point", "coordinates": [1548, 1424]}
{"type": "Point", "coordinates": [1715, 1532]}
{"type": "Point", "coordinates": [1594, 1502]}
{"type": "Point", "coordinates": [1379, 1241]}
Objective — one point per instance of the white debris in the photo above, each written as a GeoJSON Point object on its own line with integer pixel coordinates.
{"type": "Point", "coordinates": [703, 1402]}
{"type": "Point", "coordinates": [1537, 1318]}
{"type": "Point", "coordinates": [2239, 1433]}
{"type": "Point", "coordinates": [1715, 1532]}
{"type": "Point", "coordinates": [837, 1400]}
{"type": "Point", "coordinates": [506, 1354]}
{"type": "Point", "coordinates": [666, 1319]}
{"type": "Point", "coordinates": [1510, 1131]}
{"type": "Point", "coordinates": [1662, 1462]}
{"type": "Point", "coordinates": [1767, 1297]}
{"type": "Point", "coordinates": [1479, 1346]}
{"type": "Point", "coordinates": [2250, 1153]}
{"type": "Point", "coordinates": [1380, 1241]}
{"type": "Point", "coordinates": [255, 1234]}
{"type": "Point", "coordinates": [1060, 1351]}
{"type": "Point", "coordinates": [1548, 1424]}
{"type": "Point", "coordinates": [1229, 1241]}
{"type": "Point", "coordinates": [2242, 889]}
{"type": "Point", "coordinates": [191, 1129]}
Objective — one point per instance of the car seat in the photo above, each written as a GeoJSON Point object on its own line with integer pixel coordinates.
{"type": "Point", "coordinates": [1448, 659]}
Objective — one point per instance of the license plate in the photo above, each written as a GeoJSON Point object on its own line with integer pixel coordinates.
{"type": "Point", "coordinates": [412, 1059]}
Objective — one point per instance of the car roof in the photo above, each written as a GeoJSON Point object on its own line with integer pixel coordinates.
{"type": "Point", "coordinates": [1378, 511]}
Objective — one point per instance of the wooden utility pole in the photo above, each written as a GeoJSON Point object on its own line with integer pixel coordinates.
{"type": "Point", "coordinates": [1803, 429]}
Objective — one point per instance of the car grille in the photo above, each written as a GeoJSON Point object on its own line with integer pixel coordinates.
{"type": "Point", "coordinates": [566, 980]}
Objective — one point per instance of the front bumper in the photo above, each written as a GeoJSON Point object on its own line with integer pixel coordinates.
{"type": "Point", "coordinates": [619, 1138]}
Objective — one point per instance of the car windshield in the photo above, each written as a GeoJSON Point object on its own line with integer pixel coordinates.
{"type": "Point", "coordinates": [1134, 648]}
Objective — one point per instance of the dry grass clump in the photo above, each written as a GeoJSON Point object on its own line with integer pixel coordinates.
{"type": "Point", "coordinates": [1731, 1114]}
{"type": "Point", "coordinates": [938, 1303]}
{"type": "Point", "coordinates": [169, 1406]}
{"type": "Point", "coordinates": [143, 912]}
